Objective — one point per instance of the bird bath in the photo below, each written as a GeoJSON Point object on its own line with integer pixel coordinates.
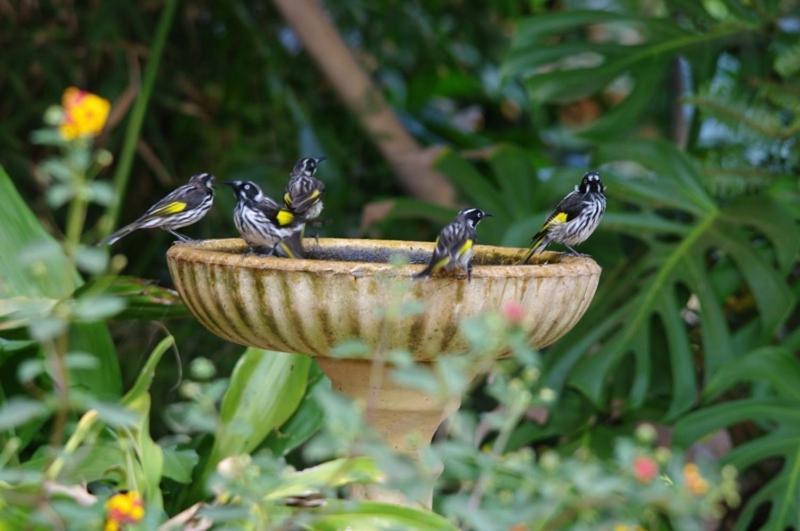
{"type": "Point", "coordinates": [308, 306]}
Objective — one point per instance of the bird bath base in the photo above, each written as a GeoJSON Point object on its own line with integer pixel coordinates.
{"type": "Point", "coordinates": [308, 306]}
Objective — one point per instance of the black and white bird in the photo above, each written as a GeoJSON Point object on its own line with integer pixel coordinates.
{"type": "Point", "coordinates": [183, 206]}
{"type": "Point", "coordinates": [574, 219]}
{"type": "Point", "coordinates": [455, 244]}
{"type": "Point", "coordinates": [265, 225]}
{"type": "Point", "coordinates": [303, 193]}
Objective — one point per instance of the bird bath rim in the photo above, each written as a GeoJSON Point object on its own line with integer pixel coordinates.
{"type": "Point", "coordinates": [225, 251]}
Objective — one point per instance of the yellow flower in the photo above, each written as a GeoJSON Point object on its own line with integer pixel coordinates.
{"type": "Point", "coordinates": [123, 508]}
{"type": "Point", "coordinates": [85, 114]}
{"type": "Point", "coordinates": [694, 481]}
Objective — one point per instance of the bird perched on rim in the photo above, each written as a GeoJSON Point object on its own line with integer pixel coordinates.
{"type": "Point", "coordinates": [454, 245]}
{"type": "Point", "coordinates": [574, 219]}
{"type": "Point", "coordinates": [183, 206]}
{"type": "Point", "coordinates": [304, 191]}
{"type": "Point", "coordinates": [264, 224]}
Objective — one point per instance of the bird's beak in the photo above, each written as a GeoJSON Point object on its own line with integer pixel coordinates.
{"type": "Point", "coordinates": [232, 184]}
{"type": "Point", "coordinates": [321, 159]}
{"type": "Point", "coordinates": [487, 215]}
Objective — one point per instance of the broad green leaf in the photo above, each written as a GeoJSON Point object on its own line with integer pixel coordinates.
{"type": "Point", "coordinates": [306, 420]}
{"type": "Point", "coordinates": [516, 177]}
{"type": "Point", "coordinates": [329, 475]}
{"type": "Point", "coordinates": [772, 220]}
{"type": "Point", "coordinates": [143, 299]}
{"type": "Point", "coordinates": [773, 365]}
{"type": "Point", "coordinates": [378, 516]}
{"type": "Point", "coordinates": [178, 464]}
{"type": "Point", "coordinates": [471, 183]}
{"type": "Point", "coordinates": [265, 389]}
{"type": "Point", "coordinates": [146, 375]}
{"type": "Point", "coordinates": [625, 114]}
{"type": "Point", "coordinates": [47, 273]}
{"type": "Point", "coordinates": [17, 411]}
{"type": "Point", "coordinates": [692, 427]}
{"type": "Point", "coordinates": [684, 385]}
{"type": "Point", "coordinates": [773, 296]}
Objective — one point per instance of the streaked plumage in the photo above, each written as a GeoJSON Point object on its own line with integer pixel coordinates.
{"type": "Point", "coordinates": [265, 225]}
{"type": "Point", "coordinates": [183, 206]}
{"type": "Point", "coordinates": [574, 219]}
{"type": "Point", "coordinates": [303, 193]}
{"type": "Point", "coordinates": [455, 244]}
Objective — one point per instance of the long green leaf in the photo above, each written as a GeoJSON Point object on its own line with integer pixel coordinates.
{"type": "Point", "coordinates": [705, 421]}
{"type": "Point", "coordinates": [378, 516]}
{"type": "Point", "coordinates": [265, 389]}
{"type": "Point", "coordinates": [51, 275]}
{"type": "Point", "coordinates": [328, 475]}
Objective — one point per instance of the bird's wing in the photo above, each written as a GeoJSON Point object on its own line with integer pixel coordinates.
{"type": "Point", "coordinates": [276, 214]}
{"type": "Point", "coordinates": [182, 198]}
{"type": "Point", "coordinates": [303, 192]}
{"type": "Point", "coordinates": [454, 240]}
{"type": "Point", "coordinates": [567, 209]}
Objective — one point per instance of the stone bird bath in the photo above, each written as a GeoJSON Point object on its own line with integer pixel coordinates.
{"type": "Point", "coordinates": [309, 306]}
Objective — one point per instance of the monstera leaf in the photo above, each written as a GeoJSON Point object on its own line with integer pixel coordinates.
{"type": "Point", "coordinates": [557, 63]}
{"type": "Point", "coordinates": [776, 412]}
{"type": "Point", "coordinates": [662, 308]}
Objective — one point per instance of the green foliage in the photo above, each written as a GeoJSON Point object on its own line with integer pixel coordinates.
{"type": "Point", "coordinates": [689, 111]}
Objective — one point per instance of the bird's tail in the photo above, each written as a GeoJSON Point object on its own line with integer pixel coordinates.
{"type": "Point", "coordinates": [121, 233]}
{"type": "Point", "coordinates": [295, 243]}
{"type": "Point", "coordinates": [538, 243]}
{"type": "Point", "coordinates": [425, 272]}
{"type": "Point", "coordinates": [434, 266]}
{"type": "Point", "coordinates": [292, 246]}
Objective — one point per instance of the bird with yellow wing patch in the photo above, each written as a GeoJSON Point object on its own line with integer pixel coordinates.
{"type": "Point", "coordinates": [265, 225]}
{"type": "Point", "coordinates": [183, 206]}
{"type": "Point", "coordinates": [574, 219]}
{"type": "Point", "coordinates": [455, 244]}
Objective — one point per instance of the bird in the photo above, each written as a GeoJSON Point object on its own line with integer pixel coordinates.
{"type": "Point", "coordinates": [184, 206]}
{"type": "Point", "coordinates": [454, 245]}
{"type": "Point", "coordinates": [303, 193]}
{"type": "Point", "coordinates": [264, 224]}
{"type": "Point", "coordinates": [574, 219]}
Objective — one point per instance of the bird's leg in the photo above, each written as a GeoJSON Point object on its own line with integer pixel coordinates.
{"type": "Point", "coordinates": [469, 273]}
{"type": "Point", "coordinates": [180, 236]}
{"type": "Point", "coordinates": [573, 252]}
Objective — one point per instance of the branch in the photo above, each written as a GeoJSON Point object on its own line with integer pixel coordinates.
{"type": "Point", "coordinates": [411, 163]}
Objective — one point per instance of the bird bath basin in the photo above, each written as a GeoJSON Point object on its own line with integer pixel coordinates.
{"type": "Point", "coordinates": [308, 306]}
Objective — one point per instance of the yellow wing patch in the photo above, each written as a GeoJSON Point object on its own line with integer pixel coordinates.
{"type": "Point", "coordinates": [285, 217]}
{"type": "Point", "coordinates": [172, 208]}
{"type": "Point", "coordinates": [466, 247]}
{"type": "Point", "coordinates": [287, 199]}
{"type": "Point", "coordinates": [561, 217]}
{"type": "Point", "coordinates": [315, 194]}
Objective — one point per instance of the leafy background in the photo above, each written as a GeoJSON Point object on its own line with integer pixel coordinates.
{"type": "Point", "coordinates": [688, 109]}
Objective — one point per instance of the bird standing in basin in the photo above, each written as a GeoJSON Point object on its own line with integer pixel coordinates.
{"type": "Point", "coordinates": [454, 245]}
{"type": "Point", "coordinates": [574, 219]}
{"type": "Point", "coordinates": [264, 224]}
{"type": "Point", "coordinates": [183, 206]}
{"type": "Point", "coordinates": [304, 191]}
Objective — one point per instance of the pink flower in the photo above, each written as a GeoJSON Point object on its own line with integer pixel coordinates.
{"type": "Point", "coordinates": [645, 469]}
{"type": "Point", "coordinates": [513, 312]}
